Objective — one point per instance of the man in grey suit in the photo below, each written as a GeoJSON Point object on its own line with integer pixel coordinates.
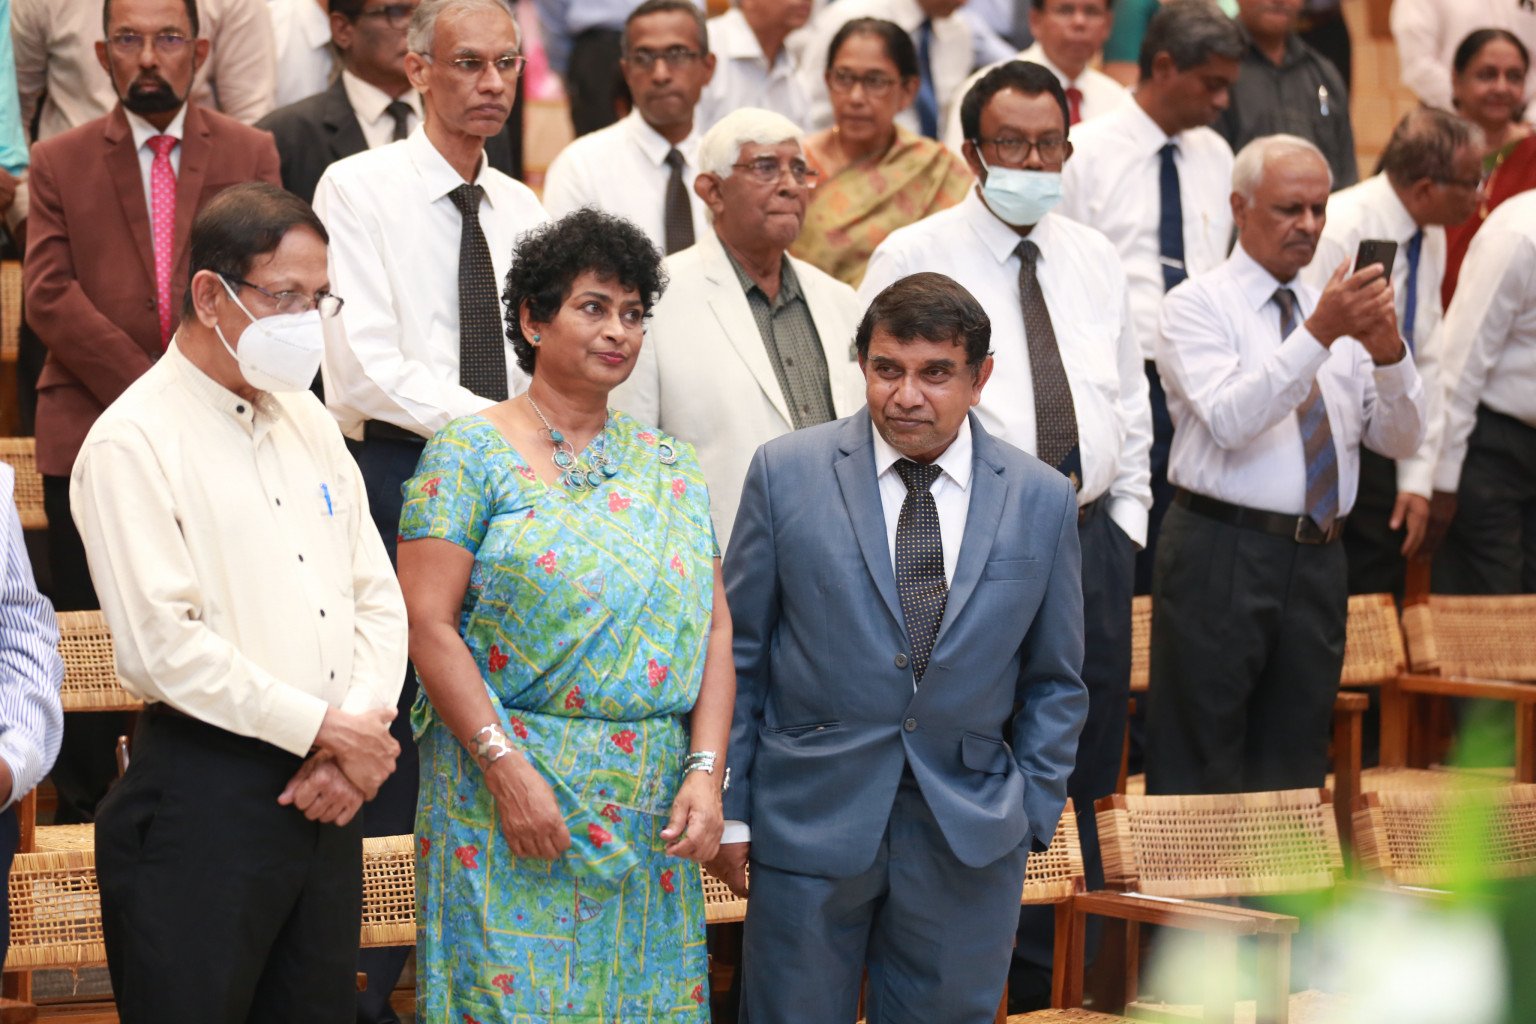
{"type": "Point", "coordinates": [907, 602]}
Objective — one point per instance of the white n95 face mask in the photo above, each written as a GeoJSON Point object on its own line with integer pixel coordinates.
{"type": "Point", "coordinates": [277, 353]}
{"type": "Point", "coordinates": [1021, 197]}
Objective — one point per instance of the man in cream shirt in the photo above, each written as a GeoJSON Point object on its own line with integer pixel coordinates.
{"type": "Point", "coordinates": [253, 609]}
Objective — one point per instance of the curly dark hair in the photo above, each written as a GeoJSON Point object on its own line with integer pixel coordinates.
{"type": "Point", "coordinates": [549, 259]}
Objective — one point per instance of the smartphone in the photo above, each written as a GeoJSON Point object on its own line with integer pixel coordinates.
{"type": "Point", "coordinates": [1376, 250]}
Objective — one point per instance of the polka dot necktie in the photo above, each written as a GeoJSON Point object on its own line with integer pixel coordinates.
{"type": "Point", "coordinates": [679, 214]}
{"type": "Point", "coordinates": [1056, 440]}
{"type": "Point", "coordinates": [482, 353]}
{"type": "Point", "coordinates": [1316, 435]}
{"type": "Point", "coordinates": [920, 562]}
{"type": "Point", "coordinates": [162, 188]}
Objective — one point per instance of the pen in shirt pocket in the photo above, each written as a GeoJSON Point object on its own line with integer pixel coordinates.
{"type": "Point", "coordinates": [1322, 100]}
{"type": "Point", "coordinates": [325, 490]}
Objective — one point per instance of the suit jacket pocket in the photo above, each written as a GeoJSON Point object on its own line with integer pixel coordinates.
{"type": "Point", "coordinates": [980, 754]}
{"type": "Point", "coordinates": [796, 731]}
{"type": "Point", "coordinates": [1012, 569]}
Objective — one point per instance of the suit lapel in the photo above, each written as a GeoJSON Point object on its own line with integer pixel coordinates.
{"type": "Point", "coordinates": [122, 158]}
{"type": "Point", "coordinates": [195, 152]}
{"type": "Point", "coordinates": [729, 304]}
{"type": "Point", "coordinates": [989, 491]}
{"type": "Point", "coordinates": [855, 469]}
{"type": "Point", "coordinates": [341, 124]}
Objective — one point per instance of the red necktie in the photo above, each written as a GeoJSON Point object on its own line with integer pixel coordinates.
{"type": "Point", "coordinates": [162, 187]}
{"type": "Point", "coordinates": [1075, 104]}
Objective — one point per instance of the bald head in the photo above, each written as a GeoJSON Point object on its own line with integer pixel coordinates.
{"type": "Point", "coordinates": [1280, 186]}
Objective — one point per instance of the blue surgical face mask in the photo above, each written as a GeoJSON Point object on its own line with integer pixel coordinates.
{"type": "Point", "coordinates": [1020, 197]}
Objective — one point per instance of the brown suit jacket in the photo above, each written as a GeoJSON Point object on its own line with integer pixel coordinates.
{"type": "Point", "coordinates": [90, 266]}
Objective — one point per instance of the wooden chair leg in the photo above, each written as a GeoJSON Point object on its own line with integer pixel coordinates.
{"type": "Point", "coordinates": [1061, 957]}
{"type": "Point", "coordinates": [1525, 742]}
{"type": "Point", "coordinates": [1274, 979]}
{"type": "Point", "coordinates": [18, 986]}
{"type": "Point", "coordinates": [1132, 963]}
{"type": "Point", "coordinates": [1396, 711]}
{"type": "Point", "coordinates": [14, 1012]}
{"type": "Point", "coordinates": [1347, 742]}
{"type": "Point", "coordinates": [1072, 992]}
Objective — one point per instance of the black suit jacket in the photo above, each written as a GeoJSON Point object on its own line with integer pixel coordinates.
{"type": "Point", "coordinates": [317, 131]}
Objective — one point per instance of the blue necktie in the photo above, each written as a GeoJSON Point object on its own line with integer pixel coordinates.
{"type": "Point", "coordinates": [927, 99]}
{"type": "Point", "coordinates": [1170, 225]}
{"type": "Point", "coordinates": [1411, 299]}
{"type": "Point", "coordinates": [1321, 458]}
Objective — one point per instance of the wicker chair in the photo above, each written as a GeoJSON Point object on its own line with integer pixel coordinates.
{"type": "Point", "coordinates": [1463, 647]}
{"type": "Point", "coordinates": [10, 310]}
{"type": "Point", "coordinates": [1180, 849]}
{"type": "Point", "coordinates": [1414, 838]}
{"type": "Point", "coordinates": [21, 453]}
{"type": "Point", "coordinates": [90, 673]}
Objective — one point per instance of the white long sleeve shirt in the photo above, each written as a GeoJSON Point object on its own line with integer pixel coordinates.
{"type": "Point", "coordinates": [1113, 183]}
{"type": "Point", "coordinates": [393, 353]}
{"type": "Point", "coordinates": [237, 565]}
{"type": "Point", "coordinates": [1490, 332]}
{"type": "Point", "coordinates": [1101, 94]}
{"type": "Point", "coordinates": [745, 78]}
{"type": "Point", "coordinates": [1427, 33]}
{"type": "Point", "coordinates": [1085, 291]}
{"type": "Point", "coordinates": [1233, 387]}
{"type": "Point", "coordinates": [1372, 209]}
{"type": "Point", "coordinates": [31, 671]}
{"type": "Point", "coordinates": [302, 30]}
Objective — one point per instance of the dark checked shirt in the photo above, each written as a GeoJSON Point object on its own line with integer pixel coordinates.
{"type": "Point", "coordinates": [794, 347]}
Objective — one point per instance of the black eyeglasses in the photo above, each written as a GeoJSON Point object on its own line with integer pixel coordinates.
{"type": "Point", "coordinates": [677, 58]}
{"type": "Point", "coordinates": [877, 85]}
{"type": "Point", "coordinates": [395, 15]}
{"type": "Point", "coordinates": [1012, 152]}
{"type": "Point", "coordinates": [295, 302]}
{"type": "Point", "coordinates": [766, 170]}
{"type": "Point", "coordinates": [167, 44]}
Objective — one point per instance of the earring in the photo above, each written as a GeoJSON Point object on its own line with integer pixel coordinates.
{"type": "Point", "coordinates": [536, 339]}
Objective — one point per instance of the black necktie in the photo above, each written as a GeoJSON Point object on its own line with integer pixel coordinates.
{"type": "Point", "coordinates": [1322, 462]}
{"type": "Point", "coordinates": [1056, 442]}
{"type": "Point", "coordinates": [399, 110]}
{"type": "Point", "coordinates": [679, 213]}
{"type": "Point", "coordinates": [482, 353]}
{"type": "Point", "coordinates": [1170, 224]}
{"type": "Point", "coordinates": [920, 562]}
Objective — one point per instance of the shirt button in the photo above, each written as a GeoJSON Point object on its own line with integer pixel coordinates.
{"type": "Point", "coordinates": [240, 408]}
{"type": "Point", "coordinates": [301, 558]}
{"type": "Point", "coordinates": [278, 500]}
{"type": "Point", "coordinates": [333, 673]}
{"type": "Point", "coordinates": [322, 613]}
{"type": "Point", "coordinates": [909, 725]}
{"type": "Point", "coordinates": [901, 661]}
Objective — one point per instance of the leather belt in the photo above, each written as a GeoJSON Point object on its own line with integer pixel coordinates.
{"type": "Point", "coordinates": [378, 430]}
{"type": "Point", "coordinates": [1093, 508]}
{"type": "Point", "coordinates": [1300, 529]}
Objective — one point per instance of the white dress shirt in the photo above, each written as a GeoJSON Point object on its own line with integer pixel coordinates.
{"type": "Point", "coordinates": [370, 104]}
{"type": "Point", "coordinates": [143, 131]}
{"type": "Point", "coordinates": [951, 493]}
{"type": "Point", "coordinates": [1427, 33]}
{"type": "Point", "coordinates": [623, 170]}
{"type": "Point", "coordinates": [745, 78]}
{"type": "Point", "coordinates": [1490, 332]}
{"type": "Point", "coordinates": [949, 57]}
{"type": "Point", "coordinates": [1233, 387]}
{"type": "Point", "coordinates": [237, 565]}
{"type": "Point", "coordinates": [1085, 291]}
{"type": "Point", "coordinates": [1113, 182]}
{"type": "Point", "coordinates": [302, 30]}
{"type": "Point", "coordinates": [393, 353]}
{"type": "Point", "coordinates": [1101, 94]}
{"type": "Point", "coordinates": [1372, 209]}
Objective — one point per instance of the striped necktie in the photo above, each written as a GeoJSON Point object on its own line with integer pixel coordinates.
{"type": "Point", "coordinates": [1322, 460]}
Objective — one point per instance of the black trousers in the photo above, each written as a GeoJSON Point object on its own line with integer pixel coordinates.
{"type": "Point", "coordinates": [1374, 550]}
{"type": "Point", "coordinates": [10, 838]}
{"type": "Point", "coordinates": [1109, 559]}
{"type": "Point", "coordinates": [87, 762]}
{"type": "Point", "coordinates": [218, 905]}
{"type": "Point", "coordinates": [1247, 646]}
{"type": "Point", "coordinates": [1491, 545]}
{"type": "Point", "coordinates": [386, 465]}
{"type": "Point", "coordinates": [592, 79]}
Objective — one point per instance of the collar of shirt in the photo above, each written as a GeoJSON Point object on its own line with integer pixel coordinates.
{"type": "Point", "coordinates": [1257, 285]}
{"type": "Point", "coordinates": [737, 41]}
{"type": "Point", "coordinates": [143, 131]}
{"type": "Point", "coordinates": [1145, 135]}
{"type": "Point", "coordinates": [789, 284]}
{"type": "Point", "coordinates": [255, 418]}
{"type": "Point", "coordinates": [955, 463]}
{"type": "Point", "coordinates": [435, 170]}
{"type": "Point", "coordinates": [655, 145]}
{"type": "Point", "coordinates": [998, 238]}
{"type": "Point", "coordinates": [1295, 51]}
{"type": "Point", "coordinates": [1400, 223]}
{"type": "Point", "coordinates": [369, 102]}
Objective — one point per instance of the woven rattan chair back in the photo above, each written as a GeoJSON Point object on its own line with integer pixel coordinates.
{"type": "Point", "coordinates": [1141, 641]}
{"type": "Point", "coordinates": [1235, 844]}
{"type": "Point", "coordinates": [90, 674]}
{"type": "Point", "coordinates": [1373, 641]}
{"type": "Point", "coordinates": [389, 891]}
{"type": "Point", "coordinates": [1482, 637]}
{"type": "Point", "coordinates": [1439, 838]}
{"type": "Point", "coordinates": [10, 310]}
{"type": "Point", "coordinates": [21, 453]}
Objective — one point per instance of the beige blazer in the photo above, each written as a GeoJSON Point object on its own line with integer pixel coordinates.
{"type": "Point", "coordinates": [704, 377]}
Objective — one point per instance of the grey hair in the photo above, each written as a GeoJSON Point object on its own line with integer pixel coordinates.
{"type": "Point", "coordinates": [722, 144]}
{"type": "Point", "coordinates": [1248, 168]}
{"type": "Point", "coordinates": [1191, 32]}
{"type": "Point", "coordinates": [421, 35]}
{"type": "Point", "coordinates": [1424, 145]}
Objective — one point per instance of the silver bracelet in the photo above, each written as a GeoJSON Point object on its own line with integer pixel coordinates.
{"type": "Point", "coordinates": [491, 745]}
{"type": "Point", "coordinates": [704, 761]}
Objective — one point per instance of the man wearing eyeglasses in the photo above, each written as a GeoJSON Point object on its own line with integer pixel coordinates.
{"type": "Point", "coordinates": [370, 104]}
{"type": "Point", "coordinates": [1067, 387]}
{"type": "Point", "coordinates": [748, 342]}
{"type": "Point", "coordinates": [253, 610]}
{"type": "Point", "coordinates": [643, 167]}
{"type": "Point", "coordinates": [106, 264]}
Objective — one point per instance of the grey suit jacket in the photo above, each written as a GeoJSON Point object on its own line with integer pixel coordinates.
{"type": "Point", "coordinates": [826, 714]}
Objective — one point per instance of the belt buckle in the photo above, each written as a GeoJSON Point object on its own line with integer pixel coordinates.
{"type": "Point", "coordinates": [1307, 532]}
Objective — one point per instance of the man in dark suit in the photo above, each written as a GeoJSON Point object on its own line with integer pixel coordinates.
{"type": "Point", "coordinates": [106, 266]}
{"type": "Point", "coordinates": [906, 596]}
{"type": "Point", "coordinates": [371, 102]}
